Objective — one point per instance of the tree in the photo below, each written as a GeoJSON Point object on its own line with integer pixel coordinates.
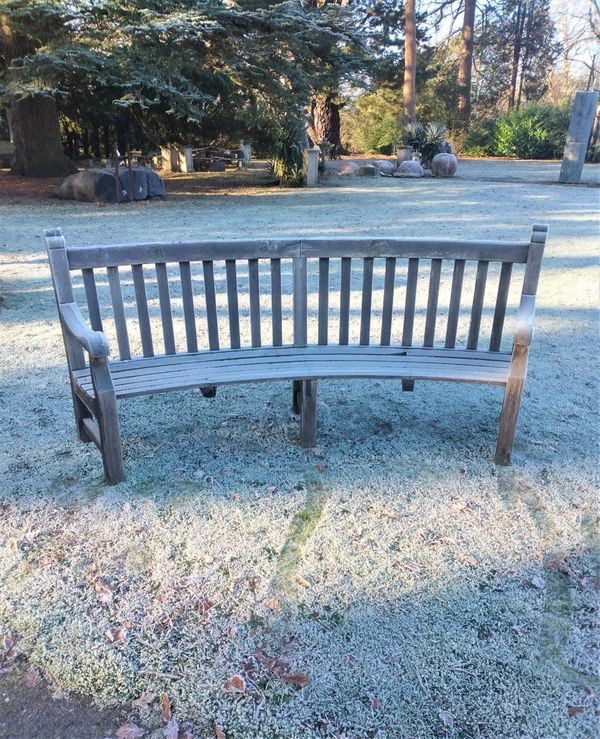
{"type": "Point", "coordinates": [410, 61]}
{"type": "Point", "coordinates": [465, 68]}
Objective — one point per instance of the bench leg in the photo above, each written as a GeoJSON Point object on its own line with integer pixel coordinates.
{"type": "Point", "coordinates": [110, 438]}
{"type": "Point", "coordinates": [296, 396]}
{"type": "Point", "coordinates": [308, 417]}
{"type": "Point", "coordinates": [508, 420]}
{"type": "Point", "coordinates": [408, 385]}
{"type": "Point", "coordinates": [208, 391]}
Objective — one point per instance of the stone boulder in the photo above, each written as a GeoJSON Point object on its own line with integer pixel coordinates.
{"type": "Point", "coordinates": [98, 185]}
{"type": "Point", "coordinates": [367, 170]}
{"type": "Point", "coordinates": [444, 165]}
{"type": "Point", "coordinates": [348, 168]}
{"type": "Point", "coordinates": [410, 169]}
{"type": "Point", "coordinates": [385, 166]}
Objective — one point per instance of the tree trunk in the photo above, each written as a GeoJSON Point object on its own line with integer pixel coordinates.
{"type": "Point", "coordinates": [326, 120]}
{"type": "Point", "coordinates": [517, 41]}
{"type": "Point", "coordinates": [410, 60]}
{"type": "Point", "coordinates": [36, 136]}
{"type": "Point", "coordinates": [465, 69]}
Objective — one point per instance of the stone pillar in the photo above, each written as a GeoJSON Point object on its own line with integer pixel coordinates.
{"type": "Point", "coordinates": [580, 128]}
{"type": "Point", "coordinates": [185, 159]}
{"type": "Point", "coordinates": [246, 150]}
{"type": "Point", "coordinates": [404, 154]}
{"type": "Point", "coordinates": [310, 167]}
{"type": "Point", "coordinates": [170, 158]}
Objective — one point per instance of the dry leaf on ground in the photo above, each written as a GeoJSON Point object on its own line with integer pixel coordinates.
{"type": "Point", "coordinates": [446, 718]}
{"type": "Point", "coordinates": [219, 733]}
{"type": "Point", "coordinates": [235, 684]}
{"type": "Point", "coordinates": [295, 678]}
{"type": "Point", "coordinates": [33, 677]}
{"type": "Point", "coordinates": [116, 635]}
{"type": "Point", "coordinates": [165, 706]}
{"type": "Point", "coordinates": [273, 604]}
{"type": "Point", "coordinates": [129, 731]}
{"type": "Point", "coordinates": [144, 700]}
{"type": "Point", "coordinates": [574, 710]}
{"type": "Point", "coordinates": [172, 730]}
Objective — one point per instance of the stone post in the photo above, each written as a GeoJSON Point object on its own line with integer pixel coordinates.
{"type": "Point", "coordinates": [185, 159]}
{"type": "Point", "coordinates": [404, 154]}
{"type": "Point", "coordinates": [580, 128]}
{"type": "Point", "coordinates": [310, 167]}
{"type": "Point", "coordinates": [246, 150]}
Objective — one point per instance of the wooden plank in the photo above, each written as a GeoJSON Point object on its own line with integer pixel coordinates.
{"type": "Point", "coordinates": [276, 316]}
{"type": "Point", "coordinates": [388, 301]}
{"type": "Point", "coordinates": [477, 306]}
{"type": "Point", "coordinates": [165, 307]}
{"type": "Point", "coordinates": [127, 254]}
{"type": "Point", "coordinates": [346, 274]}
{"type": "Point", "coordinates": [454, 307]}
{"type": "Point", "coordinates": [232, 303]}
{"type": "Point", "coordinates": [189, 313]}
{"type": "Point", "coordinates": [534, 259]}
{"type": "Point", "coordinates": [409, 303]}
{"type": "Point", "coordinates": [300, 302]}
{"type": "Point", "coordinates": [92, 430]}
{"type": "Point", "coordinates": [91, 294]}
{"type": "Point", "coordinates": [308, 414]}
{"type": "Point", "coordinates": [432, 302]}
{"type": "Point", "coordinates": [254, 287]}
{"type": "Point", "coordinates": [367, 299]}
{"type": "Point", "coordinates": [500, 310]}
{"type": "Point", "coordinates": [141, 302]}
{"type": "Point", "coordinates": [323, 300]}
{"type": "Point", "coordinates": [116, 296]}
{"type": "Point", "coordinates": [511, 404]}
{"type": "Point", "coordinates": [192, 251]}
{"type": "Point", "coordinates": [211, 304]}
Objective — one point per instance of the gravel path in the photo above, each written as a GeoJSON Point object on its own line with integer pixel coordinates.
{"type": "Point", "coordinates": [421, 590]}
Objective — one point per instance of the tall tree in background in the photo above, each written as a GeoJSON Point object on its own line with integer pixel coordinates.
{"type": "Point", "coordinates": [410, 61]}
{"type": "Point", "coordinates": [465, 68]}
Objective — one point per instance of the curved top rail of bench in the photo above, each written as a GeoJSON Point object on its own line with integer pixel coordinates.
{"type": "Point", "coordinates": [86, 257]}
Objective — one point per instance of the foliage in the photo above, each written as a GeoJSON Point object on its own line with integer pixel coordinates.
{"type": "Point", "coordinates": [287, 153]}
{"type": "Point", "coordinates": [373, 122]}
{"type": "Point", "coordinates": [480, 141]}
{"type": "Point", "coordinates": [428, 139]}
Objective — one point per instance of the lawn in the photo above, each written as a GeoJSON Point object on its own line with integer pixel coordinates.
{"type": "Point", "coordinates": [391, 583]}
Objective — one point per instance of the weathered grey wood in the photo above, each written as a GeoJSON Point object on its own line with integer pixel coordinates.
{"type": "Point", "coordinates": [308, 414]}
{"type": "Point", "coordinates": [232, 304]}
{"type": "Point", "coordinates": [300, 302]}
{"type": "Point", "coordinates": [141, 302]}
{"type": "Point", "coordinates": [388, 301]}
{"type": "Point", "coordinates": [211, 305]}
{"type": "Point", "coordinates": [477, 306]}
{"type": "Point", "coordinates": [511, 404]}
{"type": "Point", "coordinates": [108, 421]}
{"type": "Point", "coordinates": [367, 299]}
{"type": "Point", "coordinates": [254, 302]}
{"type": "Point", "coordinates": [534, 259]}
{"type": "Point", "coordinates": [296, 396]}
{"type": "Point", "coordinates": [432, 302]}
{"type": "Point", "coordinates": [408, 386]}
{"type": "Point", "coordinates": [276, 316]}
{"type": "Point", "coordinates": [323, 300]}
{"type": "Point", "coordinates": [500, 309]}
{"type": "Point", "coordinates": [92, 431]}
{"type": "Point", "coordinates": [116, 297]}
{"type": "Point", "coordinates": [409, 303]}
{"type": "Point", "coordinates": [91, 295]}
{"type": "Point", "coordinates": [345, 277]}
{"type": "Point", "coordinates": [164, 300]}
{"type": "Point", "coordinates": [454, 307]}
{"type": "Point", "coordinates": [189, 313]}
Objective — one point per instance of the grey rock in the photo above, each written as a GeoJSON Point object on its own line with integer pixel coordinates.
{"type": "Point", "coordinates": [98, 185]}
{"type": "Point", "coordinates": [385, 166]}
{"type": "Point", "coordinates": [444, 165]}
{"type": "Point", "coordinates": [367, 170]}
{"type": "Point", "coordinates": [410, 169]}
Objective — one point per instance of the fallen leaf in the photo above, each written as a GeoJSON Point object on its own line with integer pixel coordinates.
{"type": "Point", "coordinates": [165, 706]}
{"type": "Point", "coordinates": [574, 710]}
{"type": "Point", "coordinates": [272, 664]}
{"type": "Point", "coordinates": [104, 595]}
{"type": "Point", "coordinates": [318, 452]}
{"type": "Point", "coordinates": [320, 467]}
{"type": "Point", "coordinates": [33, 677]}
{"type": "Point", "coordinates": [446, 718]}
{"type": "Point", "coordinates": [538, 582]}
{"type": "Point", "coordinates": [116, 635]}
{"type": "Point", "coordinates": [295, 678]}
{"type": "Point", "coordinates": [273, 604]}
{"type": "Point", "coordinates": [538, 555]}
{"type": "Point", "coordinates": [144, 700]}
{"type": "Point", "coordinates": [129, 731]}
{"type": "Point", "coordinates": [302, 581]}
{"type": "Point", "coordinates": [470, 560]}
{"type": "Point", "coordinates": [204, 605]}
{"type": "Point", "coordinates": [219, 733]}
{"type": "Point", "coordinates": [172, 730]}
{"type": "Point", "coordinates": [376, 703]}
{"type": "Point", "coordinates": [235, 684]}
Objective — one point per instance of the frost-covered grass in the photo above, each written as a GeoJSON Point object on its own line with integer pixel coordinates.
{"type": "Point", "coordinates": [422, 590]}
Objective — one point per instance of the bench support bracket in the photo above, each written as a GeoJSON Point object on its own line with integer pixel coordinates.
{"type": "Point", "coordinates": [511, 404]}
{"type": "Point", "coordinates": [308, 414]}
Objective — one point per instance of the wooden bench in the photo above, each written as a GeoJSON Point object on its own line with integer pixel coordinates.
{"type": "Point", "coordinates": [203, 314]}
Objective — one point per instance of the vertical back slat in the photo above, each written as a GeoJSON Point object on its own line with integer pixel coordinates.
{"type": "Point", "coordinates": [211, 304]}
{"type": "Point", "coordinates": [388, 300]}
{"type": "Point", "coordinates": [165, 307]}
{"type": "Point", "coordinates": [276, 319]}
{"type": "Point", "coordinates": [91, 294]}
{"type": "Point", "coordinates": [409, 303]}
{"type": "Point", "coordinates": [346, 273]}
{"type": "Point", "coordinates": [189, 315]}
{"type": "Point", "coordinates": [300, 301]}
{"type": "Point", "coordinates": [141, 301]}
{"type": "Point", "coordinates": [500, 312]}
{"type": "Point", "coordinates": [116, 297]}
{"type": "Point", "coordinates": [454, 307]}
{"type": "Point", "coordinates": [477, 307]}
{"type": "Point", "coordinates": [254, 302]}
{"type": "Point", "coordinates": [232, 303]}
{"type": "Point", "coordinates": [432, 301]}
{"type": "Point", "coordinates": [323, 299]}
{"type": "Point", "coordinates": [367, 299]}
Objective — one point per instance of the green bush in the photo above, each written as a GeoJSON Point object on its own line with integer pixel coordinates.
{"type": "Point", "coordinates": [480, 141]}
{"type": "Point", "coordinates": [287, 151]}
{"type": "Point", "coordinates": [535, 131]}
{"type": "Point", "coordinates": [428, 139]}
{"type": "Point", "coordinates": [373, 122]}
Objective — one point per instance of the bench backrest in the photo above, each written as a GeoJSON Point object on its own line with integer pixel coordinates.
{"type": "Point", "coordinates": [170, 297]}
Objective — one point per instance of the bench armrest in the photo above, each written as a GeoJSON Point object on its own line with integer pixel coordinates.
{"type": "Point", "coordinates": [94, 342]}
{"type": "Point", "coordinates": [524, 331]}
